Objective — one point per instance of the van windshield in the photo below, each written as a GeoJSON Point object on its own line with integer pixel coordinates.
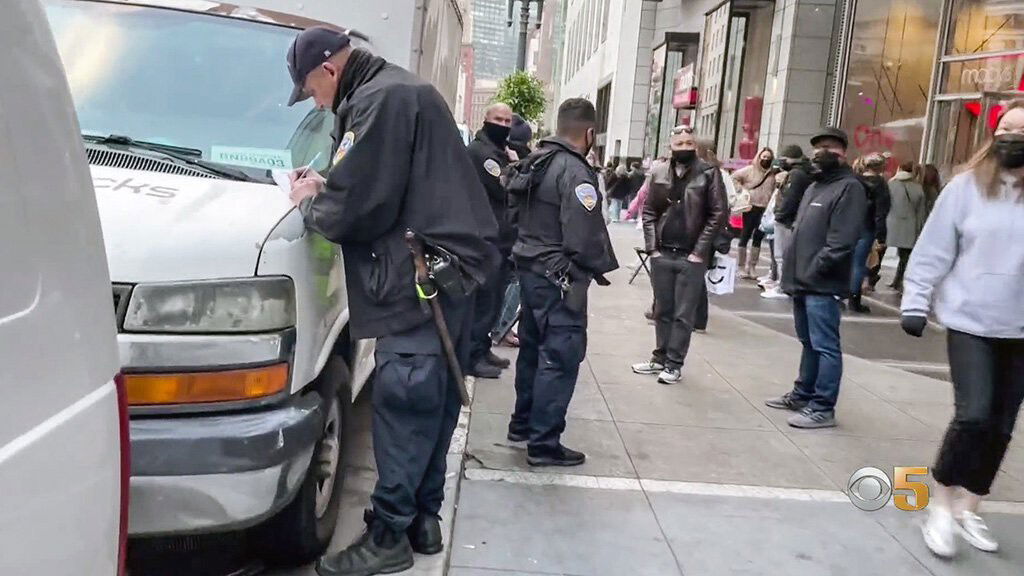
{"type": "Point", "coordinates": [218, 85]}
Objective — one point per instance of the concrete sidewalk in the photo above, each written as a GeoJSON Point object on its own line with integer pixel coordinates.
{"type": "Point", "coordinates": [701, 478]}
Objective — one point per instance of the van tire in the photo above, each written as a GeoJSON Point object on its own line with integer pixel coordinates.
{"type": "Point", "coordinates": [298, 535]}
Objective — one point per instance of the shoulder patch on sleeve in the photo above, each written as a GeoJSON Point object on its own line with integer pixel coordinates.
{"type": "Point", "coordinates": [492, 167]}
{"type": "Point", "coordinates": [343, 147]}
{"type": "Point", "coordinates": [587, 196]}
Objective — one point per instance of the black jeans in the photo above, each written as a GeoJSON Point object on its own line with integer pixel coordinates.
{"type": "Point", "coordinates": [552, 344]}
{"type": "Point", "coordinates": [988, 386]}
{"type": "Point", "coordinates": [489, 300]}
{"type": "Point", "coordinates": [700, 321]}
{"type": "Point", "coordinates": [415, 410]}
{"type": "Point", "coordinates": [678, 290]}
{"type": "Point", "coordinates": [752, 227]}
{"type": "Point", "coordinates": [901, 268]}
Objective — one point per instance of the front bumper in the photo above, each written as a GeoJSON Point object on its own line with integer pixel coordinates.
{"type": "Point", "coordinates": [215, 473]}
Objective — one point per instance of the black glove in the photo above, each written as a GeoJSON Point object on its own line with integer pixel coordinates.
{"type": "Point", "coordinates": [913, 325]}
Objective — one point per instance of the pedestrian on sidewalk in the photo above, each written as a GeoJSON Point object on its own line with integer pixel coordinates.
{"type": "Point", "coordinates": [563, 245]}
{"type": "Point", "coordinates": [490, 154]}
{"type": "Point", "coordinates": [399, 164]}
{"type": "Point", "coordinates": [816, 273]}
{"type": "Point", "coordinates": [932, 184]}
{"type": "Point", "coordinates": [793, 180]}
{"type": "Point", "coordinates": [618, 191]}
{"type": "Point", "coordinates": [519, 139]}
{"type": "Point", "coordinates": [686, 210]}
{"type": "Point", "coordinates": [968, 268]}
{"type": "Point", "coordinates": [906, 217]}
{"type": "Point", "coordinates": [723, 241]}
{"type": "Point", "coordinates": [759, 180]}
{"type": "Point", "coordinates": [874, 228]}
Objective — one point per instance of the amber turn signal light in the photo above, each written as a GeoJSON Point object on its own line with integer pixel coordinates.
{"type": "Point", "coordinates": [201, 387]}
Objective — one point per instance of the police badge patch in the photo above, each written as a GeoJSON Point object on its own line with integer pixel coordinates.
{"type": "Point", "coordinates": [346, 142]}
{"type": "Point", "coordinates": [587, 196]}
{"type": "Point", "coordinates": [492, 168]}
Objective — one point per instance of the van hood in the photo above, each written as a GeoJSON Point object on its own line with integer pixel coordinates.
{"type": "Point", "coordinates": [163, 227]}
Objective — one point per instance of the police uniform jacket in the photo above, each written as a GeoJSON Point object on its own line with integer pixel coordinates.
{"type": "Point", "coordinates": [399, 163]}
{"type": "Point", "coordinates": [561, 227]}
{"type": "Point", "coordinates": [490, 162]}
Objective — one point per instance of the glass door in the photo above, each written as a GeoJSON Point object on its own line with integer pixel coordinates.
{"type": "Point", "coordinates": [960, 126]}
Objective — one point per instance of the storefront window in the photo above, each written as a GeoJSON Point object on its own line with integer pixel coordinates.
{"type": "Point", "coordinates": [993, 74]}
{"type": "Point", "coordinates": [986, 26]}
{"type": "Point", "coordinates": [892, 51]}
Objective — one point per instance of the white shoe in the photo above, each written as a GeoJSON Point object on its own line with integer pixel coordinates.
{"type": "Point", "coordinates": [975, 531]}
{"type": "Point", "coordinates": [774, 293]}
{"type": "Point", "coordinates": [670, 376]}
{"type": "Point", "coordinates": [764, 279]}
{"type": "Point", "coordinates": [939, 533]}
{"type": "Point", "coordinates": [647, 368]}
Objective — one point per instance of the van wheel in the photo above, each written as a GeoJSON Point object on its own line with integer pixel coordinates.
{"type": "Point", "coordinates": [301, 532]}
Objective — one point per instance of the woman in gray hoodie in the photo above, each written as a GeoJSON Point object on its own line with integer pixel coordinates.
{"type": "Point", "coordinates": [908, 211]}
{"type": "Point", "coordinates": [968, 268]}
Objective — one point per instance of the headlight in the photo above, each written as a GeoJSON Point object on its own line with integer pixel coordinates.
{"type": "Point", "coordinates": [215, 306]}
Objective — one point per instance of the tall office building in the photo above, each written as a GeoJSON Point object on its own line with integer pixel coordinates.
{"type": "Point", "coordinates": [494, 42]}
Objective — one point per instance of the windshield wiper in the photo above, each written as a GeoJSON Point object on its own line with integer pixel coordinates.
{"type": "Point", "coordinates": [190, 156]}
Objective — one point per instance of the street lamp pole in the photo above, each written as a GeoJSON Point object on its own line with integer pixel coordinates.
{"type": "Point", "coordinates": [524, 26]}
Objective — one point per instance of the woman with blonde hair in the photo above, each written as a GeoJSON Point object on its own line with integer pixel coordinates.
{"type": "Point", "coordinates": [968, 269]}
{"type": "Point", "coordinates": [759, 180]}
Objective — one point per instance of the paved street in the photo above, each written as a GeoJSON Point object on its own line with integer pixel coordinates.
{"type": "Point", "coordinates": [701, 478]}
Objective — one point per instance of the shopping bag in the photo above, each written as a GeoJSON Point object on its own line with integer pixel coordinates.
{"type": "Point", "coordinates": [721, 276]}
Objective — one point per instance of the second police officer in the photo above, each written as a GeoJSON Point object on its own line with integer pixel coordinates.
{"type": "Point", "coordinates": [562, 246]}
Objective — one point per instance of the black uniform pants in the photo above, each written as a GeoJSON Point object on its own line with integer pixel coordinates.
{"type": "Point", "coordinates": [415, 410]}
{"type": "Point", "coordinates": [678, 292]}
{"type": "Point", "coordinates": [552, 344]}
{"type": "Point", "coordinates": [988, 387]}
{"type": "Point", "coordinates": [489, 300]}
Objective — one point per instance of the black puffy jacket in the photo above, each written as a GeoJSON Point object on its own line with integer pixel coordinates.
{"type": "Point", "coordinates": [828, 224]}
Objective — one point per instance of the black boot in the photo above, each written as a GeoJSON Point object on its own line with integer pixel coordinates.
{"type": "Point", "coordinates": [495, 360]}
{"type": "Point", "coordinates": [379, 550]}
{"type": "Point", "coordinates": [562, 457]}
{"type": "Point", "coordinates": [484, 369]}
{"type": "Point", "coordinates": [425, 534]}
{"type": "Point", "coordinates": [857, 306]}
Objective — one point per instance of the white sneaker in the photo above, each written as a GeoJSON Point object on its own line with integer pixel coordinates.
{"type": "Point", "coordinates": [975, 531]}
{"type": "Point", "coordinates": [670, 376]}
{"type": "Point", "coordinates": [764, 279]}
{"type": "Point", "coordinates": [647, 368]}
{"type": "Point", "coordinates": [774, 293]}
{"type": "Point", "coordinates": [939, 533]}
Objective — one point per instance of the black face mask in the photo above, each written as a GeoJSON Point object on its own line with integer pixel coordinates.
{"type": "Point", "coordinates": [684, 156]}
{"type": "Point", "coordinates": [766, 164]}
{"type": "Point", "coordinates": [825, 161]}
{"type": "Point", "coordinates": [1009, 151]}
{"type": "Point", "coordinates": [497, 133]}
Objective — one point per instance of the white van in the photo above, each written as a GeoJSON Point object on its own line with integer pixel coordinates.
{"type": "Point", "coordinates": [231, 317]}
{"type": "Point", "coordinates": [63, 431]}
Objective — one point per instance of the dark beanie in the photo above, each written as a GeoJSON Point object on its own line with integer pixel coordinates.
{"type": "Point", "coordinates": [792, 151]}
{"type": "Point", "coordinates": [521, 131]}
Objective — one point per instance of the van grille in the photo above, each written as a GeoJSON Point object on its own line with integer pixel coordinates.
{"type": "Point", "coordinates": [121, 294]}
{"type": "Point", "coordinates": [117, 159]}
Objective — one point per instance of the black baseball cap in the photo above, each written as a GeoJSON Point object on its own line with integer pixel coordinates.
{"type": "Point", "coordinates": [831, 132]}
{"type": "Point", "coordinates": [311, 48]}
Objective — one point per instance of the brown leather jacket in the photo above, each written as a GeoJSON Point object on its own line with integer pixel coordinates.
{"type": "Point", "coordinates": [705, 207]}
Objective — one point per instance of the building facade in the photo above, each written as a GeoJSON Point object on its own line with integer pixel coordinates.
{"type": "Point", "coordinates": [495, 43]}
{"type": "Point", "coordinates": [484, 92]}
{"type": "Point", "coordinates": [919, 79]}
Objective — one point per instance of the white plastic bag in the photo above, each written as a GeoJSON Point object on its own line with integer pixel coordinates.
{"type": "Point", "coordinates": [721, 276]}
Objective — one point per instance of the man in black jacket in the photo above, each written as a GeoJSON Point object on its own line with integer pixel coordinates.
{"type": "Point", "coordinates": [562, 245]}
{"type": "Point", "coordinates": [399, 164]}
{"type": "Point", "coordinates": [816, 272]}
{"type": "Point", "coordinates": [491, 155]}
{"type": "Point", "coordinates": [685, 212]}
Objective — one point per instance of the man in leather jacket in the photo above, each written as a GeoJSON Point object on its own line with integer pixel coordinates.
{"type": "Point", "coordinates": [686, 210]}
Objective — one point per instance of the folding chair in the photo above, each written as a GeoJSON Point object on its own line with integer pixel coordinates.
{"type": "Point", "coordinates": [644, 257]}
